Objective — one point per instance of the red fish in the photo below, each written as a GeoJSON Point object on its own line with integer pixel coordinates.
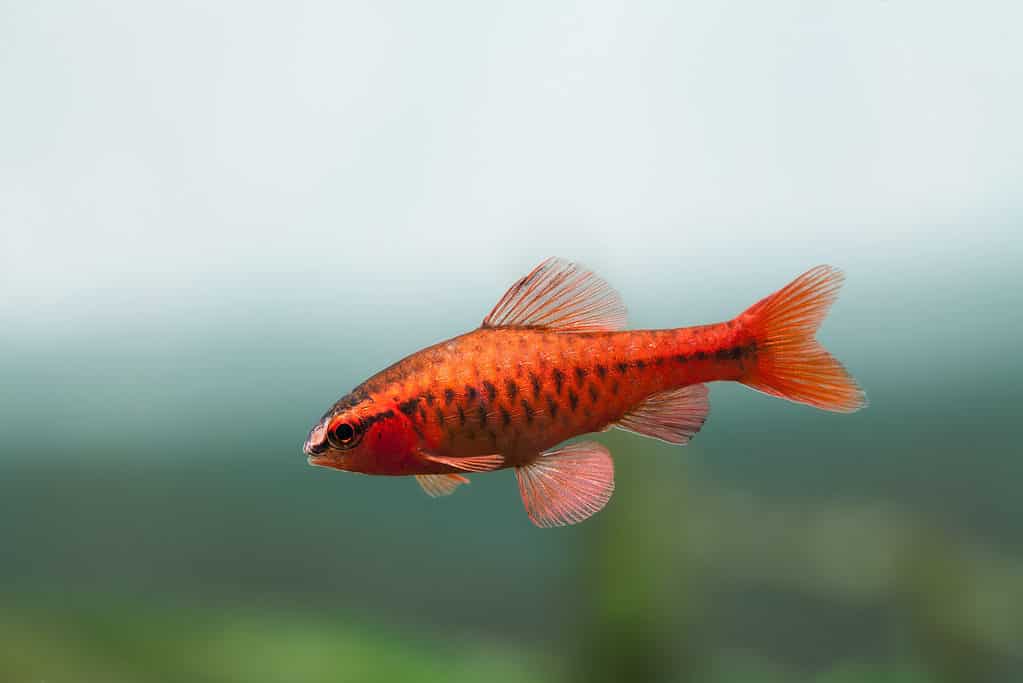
{"type": "Point", "coordinates": [551, 362]}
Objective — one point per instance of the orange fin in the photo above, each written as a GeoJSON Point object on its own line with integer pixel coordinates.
{"type": "Point", "coordinates": [672, 416]}
{"type": "Point", "coordinates": [567, 485]}
{"type": "Point", "coordinates": [476, 463]}
{"type": "Point", "coordinates": [437, 485]}
{"type": "Point", "coordinates": [561, 296]}
{"type": "Point", "coordinates": [790, 363]}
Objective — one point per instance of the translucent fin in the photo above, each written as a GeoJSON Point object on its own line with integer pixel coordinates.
{"type": "Point", "coordinates": [567, 485]}
{"type": "Point", "coordinates": [790, 362]}
{"type": "Point", "coordinates": [437, 485]}
{"type": "Point", "coordinates": [561, 296]}
{"type": "Point", "coordinates": [672, 416]}
{"type": "Point", "coordinates": [476, 463]}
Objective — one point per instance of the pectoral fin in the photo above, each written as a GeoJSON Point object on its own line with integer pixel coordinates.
{"type": "Point", "coordinates": [476, 463]}
{"type": "Point", "coordinates": [567, 485]}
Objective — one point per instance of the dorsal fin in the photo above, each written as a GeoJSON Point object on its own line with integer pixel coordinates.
{"type": "Point", "coordinates": [562, 296]}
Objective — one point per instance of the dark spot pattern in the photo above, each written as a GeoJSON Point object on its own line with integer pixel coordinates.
{"type": "Point", "coordinates": [490, 389]}
{"type": "Point", "coordinates": [682, 358]}
{"type": "Point", "coordinates": [559, 380]}
{"type": "Point", "coordinates": [580, 375]}
{"type": "Point", "coordinates": [440, 417]}
{"type": "Point", "coordinates": [449, 396]}
{"type": "Point", "coordinates": [573, 400]}
{"type": "Point", "coordinates": [640, 364]}
{"type": "Point", "coordinates": [594, 395]}
{"type": "Point", "coordinates": [470, 393]}
{"type": "Point", "coordinates": [505, 416]}
{"type": "Point", "coordinates": [601, 371]}
{"type": "Point", "coordinates": [461, 416]}
{"type": "Point", "coordinates": [623, 367]}
{"type": "Point", "coordinates": [528, 409]}
{"type": "Point", "coordinates": [429, 398]}
{"type": "Point", "coordinates": [511, 388]}
{"type": "Point", "coordinates": [701, 355]}
{"type": "Point", "coordinates": [614, 387]}
{"type": "Point", "coordinates": [535, 381]}
{"type": "Point", "coordinates": [481, 413]}
{"type": "Point", "coordinates": [409, 407]}
{"type": "Point", "coordinates": [552, 406]}
{"type": "Point", "coordinates": [369, 421]}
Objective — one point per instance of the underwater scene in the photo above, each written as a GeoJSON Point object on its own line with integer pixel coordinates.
{"type": "Point", "coordinates": [217, 221]}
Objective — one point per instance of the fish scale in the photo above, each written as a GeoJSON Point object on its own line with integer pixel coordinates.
{"type": "Point", "coordinates": [584, 382]}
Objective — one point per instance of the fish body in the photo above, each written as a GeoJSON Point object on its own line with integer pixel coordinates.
{"type": "Point", "coordinates": [551, 363]}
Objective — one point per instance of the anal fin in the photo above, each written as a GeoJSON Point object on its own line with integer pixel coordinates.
{"type": "Point", "coordinates": [673, 416]}
{"type": "Point", "coordinates": [567, 485]}
{"type": "Point", "coordinates": [437, 485]}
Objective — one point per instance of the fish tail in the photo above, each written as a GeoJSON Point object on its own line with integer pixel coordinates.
{"type": "Point", "coordinates": [790, 363]}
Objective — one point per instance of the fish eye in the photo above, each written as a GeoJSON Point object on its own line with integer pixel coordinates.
{"type": "Point", "coordinates": [342, 435]}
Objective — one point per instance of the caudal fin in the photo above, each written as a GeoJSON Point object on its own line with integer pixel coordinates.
{"type": "Point", "coordinates": [789, 361]}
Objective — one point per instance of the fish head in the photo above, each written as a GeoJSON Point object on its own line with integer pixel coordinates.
{"type": "Point", "coordinates": [364, 437]}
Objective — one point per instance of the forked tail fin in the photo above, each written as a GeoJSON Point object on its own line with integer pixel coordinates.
{"type": "Point", "coordinates": [789, 361]}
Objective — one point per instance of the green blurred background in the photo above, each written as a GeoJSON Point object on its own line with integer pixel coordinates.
{"type": "Point", "coordinates": [215, 219]}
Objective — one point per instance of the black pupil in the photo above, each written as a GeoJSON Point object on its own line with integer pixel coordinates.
{"type": "Point", "coordinates": [344, 433]}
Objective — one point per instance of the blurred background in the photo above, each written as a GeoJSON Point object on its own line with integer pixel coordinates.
{"type": "Point", "coordinates": [217, 218]}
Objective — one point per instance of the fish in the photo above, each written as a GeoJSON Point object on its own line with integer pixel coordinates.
{"type": "Point", "coordinates": [552, 361]}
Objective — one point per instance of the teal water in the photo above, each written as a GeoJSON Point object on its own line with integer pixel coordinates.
{"type": "Point", "coordinates": [158, 460]}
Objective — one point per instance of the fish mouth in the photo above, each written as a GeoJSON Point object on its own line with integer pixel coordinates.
{"type": "Point", "coordinates": [316, 454]}
{"type": "Point", "coordinates": [325, 461]}
{"type": "Point", "coordinates": [316, 443]}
